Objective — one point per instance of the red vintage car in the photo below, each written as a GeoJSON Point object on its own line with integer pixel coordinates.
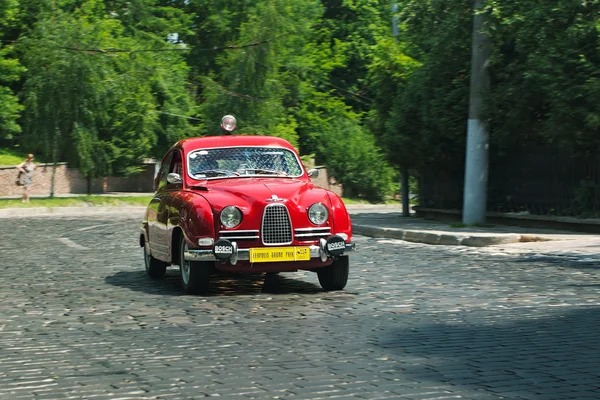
{"type": "Point", "coordinates": [243, 204]}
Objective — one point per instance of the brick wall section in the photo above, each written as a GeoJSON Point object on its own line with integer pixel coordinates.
{"type": "Point", "coordinates": [324, 181]}
{"type": "Point", "coordinates": [67, 180]}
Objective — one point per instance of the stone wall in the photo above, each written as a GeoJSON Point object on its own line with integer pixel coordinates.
{"type": "Point", "coordinates": [324, 181]}
{"type": "Point", "coordinates": [71, 181]}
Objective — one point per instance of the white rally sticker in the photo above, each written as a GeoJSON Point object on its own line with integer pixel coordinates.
{"type": "Point", "coordinates": [336, 246]}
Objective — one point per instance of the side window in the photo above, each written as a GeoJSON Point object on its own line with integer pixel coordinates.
{"type": "Point", "coordinates": [176, 165]}
{"type": "Point", "coordinates": [165, 168]}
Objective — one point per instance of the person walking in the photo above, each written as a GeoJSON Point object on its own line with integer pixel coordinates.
{"type": "Point", "coordinates": [26, 169]}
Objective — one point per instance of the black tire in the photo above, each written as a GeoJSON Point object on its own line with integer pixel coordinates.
{"type": "Point", "coordinates": [335, 276]}
{"type": "Point", "coordinates": [154, 268]}
{"type": "Point", "coordinates": [195, 275]}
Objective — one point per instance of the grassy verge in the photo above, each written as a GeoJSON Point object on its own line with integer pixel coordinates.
{"type": "Point", "coordinates": [14, 156]}
{"type": "Point", "coordinates": [79, 201]}
{"type": "Point", "coordinates": [10, 157]}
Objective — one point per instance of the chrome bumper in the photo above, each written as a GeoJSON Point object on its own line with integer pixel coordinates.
{"type": "Point", "coordinates": [244, 254]}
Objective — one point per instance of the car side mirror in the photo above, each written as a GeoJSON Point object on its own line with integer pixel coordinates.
{"type": "Point", "coordinates": [313, 173]}
{"type": "Point", "coordinates": [174, 178]}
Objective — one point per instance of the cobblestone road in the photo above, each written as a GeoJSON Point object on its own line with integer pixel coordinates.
{"type": "Point", "coordinates": [79, 319]}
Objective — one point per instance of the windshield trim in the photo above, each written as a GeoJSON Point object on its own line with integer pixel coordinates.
{"type": "Point", "coordinates": [187, 160]}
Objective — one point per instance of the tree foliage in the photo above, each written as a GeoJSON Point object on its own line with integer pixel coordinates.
{"type": "Point", "coordinates": [91, 104]}
{"type": "Point", "coordinates": [421, 84]}
{"type": "Point", "coordinates": [356, 161]}
{"type": "Point", "coordinates": [10, 72]}
{"type": "Point", "coordinates": [104, 84]}
{"type": "Point", "coordinates": [545, 74]}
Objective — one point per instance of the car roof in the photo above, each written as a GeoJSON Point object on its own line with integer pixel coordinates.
{"type": "Point", "coordinates": [190, 144]}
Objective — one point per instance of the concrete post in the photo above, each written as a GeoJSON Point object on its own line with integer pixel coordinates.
{"type": "Point", "coordinates": [476, 166]}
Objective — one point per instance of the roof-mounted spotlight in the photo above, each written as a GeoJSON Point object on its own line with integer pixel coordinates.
{"type": "Point", "coordinates": [228, 123]}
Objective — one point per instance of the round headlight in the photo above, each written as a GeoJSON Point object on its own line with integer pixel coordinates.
{"type": "Point", "coordinates": [318, 213]}
{"type": "Point", "coordinates": [231, 216]}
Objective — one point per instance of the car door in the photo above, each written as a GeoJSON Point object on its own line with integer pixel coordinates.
{"type": "Point", "coordinates": [169, 208]}
{"type": "Point", "coordinates": [159, 245]}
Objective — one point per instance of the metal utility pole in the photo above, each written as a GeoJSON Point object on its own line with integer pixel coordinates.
{"type": "Point", "coordinates": [395, 30]}
{"type": "Point", "coordinates": [476, 166]}
{"type": "Point", "coordinates": [403, 170]}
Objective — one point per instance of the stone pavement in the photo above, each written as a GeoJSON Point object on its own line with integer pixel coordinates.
{"type": "Point", "coordinates": [386, 221]}
{"type": "Point", "coordinates": [79, 319]}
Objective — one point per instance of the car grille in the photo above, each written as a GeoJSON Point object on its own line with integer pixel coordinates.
{"type": "Point", "coordinates": [311, 234]}
{"type": "Point", "coordinates": [276, 225]}
{"type": "Point", "coordinates": [239, 235]}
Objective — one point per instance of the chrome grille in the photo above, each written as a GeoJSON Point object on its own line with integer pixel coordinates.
{"type": "Point", "coordinates": [276, 225]}
{"type": "Point", "coordinates": [312, 233]}
{"type": "Point", "coordinates": [238, 235]}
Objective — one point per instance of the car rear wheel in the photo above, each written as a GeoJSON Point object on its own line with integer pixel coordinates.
{"type": "Point", "coordinates": [154, 268]}
{"type": "Point", "coordinates": [335, 276]}
{"type": "Point", "coordinates": [195, 276]}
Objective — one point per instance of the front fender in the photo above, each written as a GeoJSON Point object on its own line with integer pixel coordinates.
{"type": "Point", "coordinates": [196, 218]}
{"type": "Point", "coordinates": [341, 219]}
{"type": "Point", "coordinates": [143, 233]}
{"type": "Point", "coordinates": [144, 229]}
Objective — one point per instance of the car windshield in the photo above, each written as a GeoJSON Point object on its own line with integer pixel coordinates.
{"type": "Point", "coordinates": [243, 161]}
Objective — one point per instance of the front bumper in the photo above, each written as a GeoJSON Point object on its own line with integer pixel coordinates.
{"type": "Point", "coordinates": [316, 252]}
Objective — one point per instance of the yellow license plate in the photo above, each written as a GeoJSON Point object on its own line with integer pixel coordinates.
{"type": "Point", "coordinates": [275, 254]}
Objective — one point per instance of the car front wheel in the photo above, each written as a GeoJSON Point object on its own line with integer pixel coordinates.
{"type": "Point", "coordinates": [335, 276]}
{"type": "Point", "coordinates": [195, 276]}
{"type": "Point", "coordinates": [154, 268]}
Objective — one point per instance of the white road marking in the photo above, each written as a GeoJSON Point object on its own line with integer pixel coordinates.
{"type": "Point", "coordinates": [72, 244]}
{"type": "Point", "coordinates": [87, 228]}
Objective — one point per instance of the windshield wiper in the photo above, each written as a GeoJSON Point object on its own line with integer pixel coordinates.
{"type": "Point", "coordinates": [263, 171]}
{"type": "Point", "coordinates": [211, 173]}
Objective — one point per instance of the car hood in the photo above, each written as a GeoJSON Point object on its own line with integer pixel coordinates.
{"type": "Point", "coordinates": [256, 193]}
{"type": "Point", "coordinates": [253, 195]}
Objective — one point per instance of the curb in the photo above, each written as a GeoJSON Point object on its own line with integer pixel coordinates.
{"type": "Point", "coordinates": [436, 238]}
{"type": "Point", "coordinates": [526, 220]}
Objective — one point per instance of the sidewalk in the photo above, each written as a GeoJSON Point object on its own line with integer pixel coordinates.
{"type": "Point", "coordinates": [386, 221]}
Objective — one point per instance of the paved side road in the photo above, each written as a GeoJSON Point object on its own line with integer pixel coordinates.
{"type": "Point", "coordinates": [387, 222]}
{"type": "Point", "coordinates": [80, 320]}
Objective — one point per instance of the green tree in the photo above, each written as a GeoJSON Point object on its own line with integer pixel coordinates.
{"type": "Point", "coordinates": [10, 73]}
{"type": "Point", "coordinates": [214, 24]}
{"type": "Point", "coordinates": [356, 162]}
{"type": "Point", "coordinates": [390, 73]}
{"type": "Point", "coordinates": [426, 126]}
{"type": "Point", "coordinates": [276, 79]}
{"type": "Point", "coordinates": [355, 26]}
{"type": "Point", "coordinates": [98, 97]}
{"type": "Point", "coordinates": [545, 74]}
{"type": "Point", "coordinates": [256, 82]}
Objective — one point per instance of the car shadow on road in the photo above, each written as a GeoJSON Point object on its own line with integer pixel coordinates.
{"type": "Point", "coordinates": [529, 356]}
{"type": "Point", "coordinates": [222, 283]}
